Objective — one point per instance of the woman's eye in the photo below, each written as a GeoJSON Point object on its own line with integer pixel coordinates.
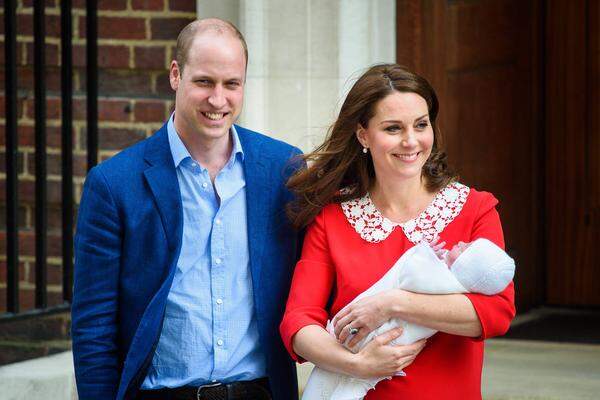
{"type": "Point", "coordinates": [422, 125]}
{"type": "Point", "coordinates": [393, 128]}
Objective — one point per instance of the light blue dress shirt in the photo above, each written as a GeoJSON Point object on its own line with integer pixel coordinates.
{"type": "Point", "coordinates": [210, 331]}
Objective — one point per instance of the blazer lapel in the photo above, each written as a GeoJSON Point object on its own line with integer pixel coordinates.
{"type": "Point", "coordinates": [162, 179]}
{"type": "Point", "coordinates": [258, 204]}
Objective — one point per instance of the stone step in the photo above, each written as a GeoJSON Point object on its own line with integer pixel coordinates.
{"type": "Point", "coordinates": [15, 351]}
{"type": "Point", "coordinates": [30, 337]}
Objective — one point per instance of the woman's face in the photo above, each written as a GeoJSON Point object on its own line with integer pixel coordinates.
{"type": "Point", "coordinates": [399, 136]}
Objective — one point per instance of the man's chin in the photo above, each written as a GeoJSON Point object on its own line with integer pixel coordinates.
{"type": "Point", "coordinates": [214, 132]}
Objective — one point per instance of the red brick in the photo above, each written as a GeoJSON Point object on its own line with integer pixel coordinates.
{"type": "Point", "coordinates": [113, 56]}
{"type": "Point", "coordinates": [79, 108]}
{"type": "Point", "coordinates": [123, 83]}
{"type": "Point", "coordinates": [163, 86]}
{"type": "Point", "coordinates": [112, 4]}
{"type": "Point", "coordinates": [51, 54]}
{"type": "Point", "coordinates": [26, 78]}
{"type": "Point", "coordinates": [167, 28]}
{"type": "Point", "coordinates": [26, 136]}
{"type": "Point", "coordinates": [20, 163]}
{"type": "Point", "coordinates": [21, 220]}
{"type": "Point", "coordinates": [117, 28]}
{"type": "Point", "coordinates": [150, 57]}
{"type": "Point", "coordinates": [4, 267]}
{"type": "Point", "coordinates": [54, 165]}
{"type": "Point", "coordinates": [19, 50]}
{"type": "Point", "coordinates": [20, 103]}
{"type": "Point", "coordinates": [26, 241]}
{"type": "Point", "coordinates": [27, 303]}
{"type": "Point", "coordinates": [114, 110]}
{"type": "Point", "coordinates": [26, 191]}
{"type": "Point", "coordinates": [149, 111]}
{"type": "Point", "coordinates": [118, 138]}
{"type": "Point", "coordinates": [55, 217]}
{"type": "Point", "coordinates": [79, 56]}
{"type": "Point", "coordinates": [26, 299]}
{"type": "Point", "coordinates": [153, 5]}
{"type": "Point", "coordinates": [109, 56]}
{"type": "Point", "coordinates": [182, 5]}
{"type": "Point", "coordinates": [54, 274]}
{"type": "Point", "coordinates": [53, 136]}
{"type": "Point", "coordinates": [52, 108]}
{"type": "Point", "coordinates": [25, 25]}
{"type": "Point", "coordinates": [54, 244]}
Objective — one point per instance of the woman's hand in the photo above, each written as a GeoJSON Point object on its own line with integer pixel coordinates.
{"type": "Point", "coordinates": [364, 316]}
{"type": "Point", "coordinates": [379, 358]}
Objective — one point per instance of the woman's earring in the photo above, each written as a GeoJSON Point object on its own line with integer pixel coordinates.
{"type": "Point", "coordinates": [365, 150]}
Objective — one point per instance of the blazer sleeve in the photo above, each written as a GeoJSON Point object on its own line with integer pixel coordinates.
{"type": "Point", "coordinates": [95, 294]}
{"type": "Point", "coordinates": [495, 312]}
{"type": "Point", "coordinates": [311, 286]}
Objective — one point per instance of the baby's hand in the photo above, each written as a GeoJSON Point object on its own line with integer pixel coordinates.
{"type": "Point", "coordinates": [438, 248]}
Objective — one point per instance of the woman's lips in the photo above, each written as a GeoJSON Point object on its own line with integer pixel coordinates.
{"type": "Point", "coordinates": [407, 157]}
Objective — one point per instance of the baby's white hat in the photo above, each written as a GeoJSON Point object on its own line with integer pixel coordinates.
{"type": "Point", "coordinates": [484, 268]}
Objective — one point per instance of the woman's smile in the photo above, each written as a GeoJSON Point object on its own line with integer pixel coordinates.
{"type": "Point", "coordinates": [407, 157]}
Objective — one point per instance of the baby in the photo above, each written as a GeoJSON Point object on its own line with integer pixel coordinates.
{"type": "Point", "coordinates": [476, 267]}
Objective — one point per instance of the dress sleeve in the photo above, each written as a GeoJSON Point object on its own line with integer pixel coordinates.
{"type": "Point", "coordinates": [311, 285]}
{"type": "Point", "coordinates": [497, 311]}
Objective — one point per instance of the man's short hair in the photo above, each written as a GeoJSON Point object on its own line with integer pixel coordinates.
{"type": "Point", "coordinates": [187, 35]}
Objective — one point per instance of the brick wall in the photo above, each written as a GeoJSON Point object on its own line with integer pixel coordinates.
{"type": "Point", "coordinates": [136, 40]}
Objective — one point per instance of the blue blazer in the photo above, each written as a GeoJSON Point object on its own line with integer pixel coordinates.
{"type": "Point", "coordinates": [127, 245]}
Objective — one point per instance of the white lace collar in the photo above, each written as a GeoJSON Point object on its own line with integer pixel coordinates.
{"type": "Point", "coordinates": [373, 227]}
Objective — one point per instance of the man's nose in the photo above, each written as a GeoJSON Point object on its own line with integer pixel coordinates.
{"type": "Point", "coordinates": [217, 97]}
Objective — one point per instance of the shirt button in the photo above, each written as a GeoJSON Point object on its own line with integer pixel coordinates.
{"type": "Point", "coordinates": [194, 164]}
{"type": "Point", "coordinates": [218, 260]}
{"type": "Point", "coordinates": [204, 185]}
{"type": "Point", "coordinates": [219, 342]}
{"type": "Point", "coordinates": [219, 301]}
{"type": "Point", "coordinates": [218, 221]}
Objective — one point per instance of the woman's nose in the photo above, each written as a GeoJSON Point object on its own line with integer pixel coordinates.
{"type": "Point", "coordinates": [409, 139]}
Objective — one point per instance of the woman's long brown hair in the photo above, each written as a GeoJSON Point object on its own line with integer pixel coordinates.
{"type": "Point", "coordinates": [339, 163]}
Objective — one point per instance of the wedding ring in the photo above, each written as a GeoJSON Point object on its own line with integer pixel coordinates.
{"type": "Point", "coordinates": [352, 331]}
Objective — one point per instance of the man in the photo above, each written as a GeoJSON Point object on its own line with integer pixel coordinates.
{"type": "Point", "coordinates": [184, 255]}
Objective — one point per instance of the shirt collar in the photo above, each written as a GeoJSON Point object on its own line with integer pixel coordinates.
{"type": "Point", "coordinates": [180, 152]}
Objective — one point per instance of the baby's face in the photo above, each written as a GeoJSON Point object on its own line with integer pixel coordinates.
{"type": "Point", "coordinates": [457, 251]}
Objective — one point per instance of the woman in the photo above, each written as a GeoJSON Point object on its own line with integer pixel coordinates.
{"type": "Point", "coordinates": [377, 186]}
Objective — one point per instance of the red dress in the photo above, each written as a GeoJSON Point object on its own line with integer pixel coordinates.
{"type": "Point", "coordinates": [349, 247]}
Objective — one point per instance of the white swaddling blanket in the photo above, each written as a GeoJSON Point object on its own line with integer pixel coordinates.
{"type": "Point", "coordinates": [482, 268]}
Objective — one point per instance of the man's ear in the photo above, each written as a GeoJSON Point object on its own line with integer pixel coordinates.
{"type": "Point", "coordinates": [362, 136]}
{"type": "Point", "coordinates": [174, 75]}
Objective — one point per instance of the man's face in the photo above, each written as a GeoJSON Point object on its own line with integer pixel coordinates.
{"type": "Point", "coordinates": [210, 89]}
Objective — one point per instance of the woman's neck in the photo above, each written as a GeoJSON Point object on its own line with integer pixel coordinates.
{"type": "Point", "coordinates": [401, 200]}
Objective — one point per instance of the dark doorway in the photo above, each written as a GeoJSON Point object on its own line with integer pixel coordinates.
{"type": "Point", "coordinates": [518, 86]}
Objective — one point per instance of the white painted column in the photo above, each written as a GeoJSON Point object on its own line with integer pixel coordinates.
{"type": "Point", "coordinates": [304, 55]}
